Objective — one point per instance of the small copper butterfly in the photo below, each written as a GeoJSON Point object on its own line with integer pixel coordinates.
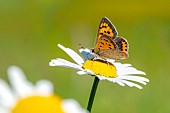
{"type": "Point", "coordinates": [108, 43]}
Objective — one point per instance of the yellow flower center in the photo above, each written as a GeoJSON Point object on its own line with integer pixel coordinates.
{"type": "Point", "coordinates": [100, 67]}
{"type": "Point", "coordinates": [39, 104]}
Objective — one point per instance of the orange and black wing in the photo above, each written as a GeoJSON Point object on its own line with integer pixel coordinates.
{"type": "Point", "coordinates": [105, 43]}
{"type": "Point", "coordinates": [108, 48]}
{"type": "Point", "coordinates": [122, 44]}
{"type": "Point", "coordinates": [106, 28]}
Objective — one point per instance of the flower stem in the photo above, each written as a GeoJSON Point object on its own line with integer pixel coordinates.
{"type": "Point", "coordinates": [92, 94]}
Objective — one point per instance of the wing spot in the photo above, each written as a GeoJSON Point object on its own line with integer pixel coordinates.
{"type": "Point", "coordinates": [124, 42]}
{"type": "Point", "coordinates": [108, 32]}
{"type": "Point", "coordinates": [104, 31]}
{"type": "Point", "coordinates": [101, 33]}
{"type": "Point", "coordinates": [106, 40]}
{"type": "Point", "coordinates": [102, 43]}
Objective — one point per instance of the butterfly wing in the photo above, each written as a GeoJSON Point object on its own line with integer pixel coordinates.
{"type": "Point", "coordinates": [108, 44]}
{"type": "Point", "coordinates": [107, 48]}
{"type": "Point", "coordinates": [113, 54]}
{"type": "Point", "coordinates": [105, 43]}
{"type": "Point", "coordinates": [106, 28]}
{"type": "Point", "coordinates": [122, 44]}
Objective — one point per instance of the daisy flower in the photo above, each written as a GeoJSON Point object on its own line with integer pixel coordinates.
{"type": "Point", "coordinates": [122, 74]}
{"type": "Point", "coordinates": [24, 97]}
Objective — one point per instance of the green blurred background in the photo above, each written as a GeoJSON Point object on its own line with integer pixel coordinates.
{"type": "Point", "coordinates": [30, 31]}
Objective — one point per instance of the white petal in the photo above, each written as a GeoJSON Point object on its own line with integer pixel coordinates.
{"type": "Point", "coordinates": [128, 70]}
{"type": "Point", "coordinates": [64, 63]}
{"type": "Point", "coordinates": [82, 72]}
{"type": "Point", "coordinates": [114, 80]}
{"type": "Point", "coordinates": [89, 72]}
{"type": "Point", "coordinates": [120, 83]}
{"type": "Point", "coordinates": [117, 64]}
{"type": "Point", "coordinates": [139, 79]}
{"type": "Point", "coordinates": [131, 84]}
{"type": "Point", "coordinates": [72, 54]}
{"type": "Point", "coordinates": [111, 61]}
{"type": "Point", "coordinates": [71, 106]}
{"type": "Point", "coordinates": [7, 98]}
{"type": "Point", "coordinates": [85, 71]}
{"type": "Point", "coordinates": [44, 87]}
{"type": "Point", "coordinates": [19, 81]}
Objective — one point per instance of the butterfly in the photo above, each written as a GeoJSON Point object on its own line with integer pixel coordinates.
{"type": "Point", "coordinates": [108, 43]}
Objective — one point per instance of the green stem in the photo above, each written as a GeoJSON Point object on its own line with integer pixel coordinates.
{"type": "Point", "coordinates": [92, 94]}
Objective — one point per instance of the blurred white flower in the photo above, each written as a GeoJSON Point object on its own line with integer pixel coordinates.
{"type": "Point", "coordinates": [24, 97]}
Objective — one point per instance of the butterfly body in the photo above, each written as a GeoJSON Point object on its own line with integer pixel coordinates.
{"type": "Point", "coordinates": [108, 43]}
